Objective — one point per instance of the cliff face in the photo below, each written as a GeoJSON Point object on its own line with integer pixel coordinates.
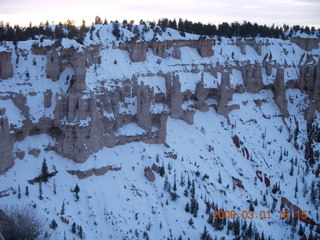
{"type": "Point", "coordinates": [97, 93]}
{"type": "Point", "coordinates": [5, 65]}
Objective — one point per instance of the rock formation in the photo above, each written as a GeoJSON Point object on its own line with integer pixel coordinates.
{"type": "Point", "coordinates": [5, 65]}
{"type": "Point", "coordinates": [86, 120]}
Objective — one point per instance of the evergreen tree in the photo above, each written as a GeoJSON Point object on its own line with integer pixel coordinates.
{"type": "Point", "coordinates": [219, 178]}
{"type": "Point", "coordinates": [76, 190]}
{"type": "Point", "coordinates": [116, 30]}
{"type": "Point", "coordinates": [236, 228]}
{"type": "Point", "coordinates": [301, 232]}
{"type": "Point", "coordinates": [174, 183]}
{"type": "Point", "coordinates": [74, 228]}
{"type": "Point", "coordinates": [187, 208]}
{"type": "Point", "coordinates": [62, 208]}
{"type": "Point", "coordinates": [291, 169]}
{"type": "Point", "coordinates": [40, 191]}
{"type": "Point", "coordinates": [19, 192]}
{"type": "Point", "coordinates": [53, 224]}
{"type": "Point", "coordinates": [44, 171]}
{"type": "Point", "coordinates": [162, 171]}
{"type": "Point", "coordinates": [249, 231]}
{"type": "Point", "coordinates": [54, 187]}
{"type": "Point", "coordinates": [136, 31]}
{"type": "Point", "coordinates": [80, 232]}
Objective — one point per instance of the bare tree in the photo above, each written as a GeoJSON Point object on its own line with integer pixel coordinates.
{"type": "Point", "coordinates": [21, 222]}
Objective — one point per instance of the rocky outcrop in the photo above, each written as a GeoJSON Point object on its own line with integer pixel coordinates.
{"type": "Point", "coordinates": [309, 81]}
{"type": "Point", "coordinates": [306, 44]}
{"type": "Point", "coordinates": [5, 65]}
{"type": "Point", "coordinates": [224, 95]}
{"type": "Point", "coordinates": [295, 209]}
{"type": "Point", "coordinates": [252, 77]}
{"type": "Point", "coordinates": [6, 143]}
{"type": "Point", "coordinates": [279, 91]}
{"type": "Point", "coordinates": [159, 48]}
{"type": "Point", "coordinates": [149, 174]}
{"type": "Point", "coordinates": [53, 68]}
{"type": "Point", "coordinates": [204, 47]}
{"type": "Point", "coordinates": [144, 98]}
{"type": "Point", "coordinates": [175, 95]}
{"type": "Point", "coordinates": [86, 120]}
{"type": "Point", "coordinates": [201, 95]}
{"type": "Point", "coordinates": [94, 171]}
{"type": "Point", "coordinates": [47, 96]}
{"type": "Point", "coordinates": [137, 51]}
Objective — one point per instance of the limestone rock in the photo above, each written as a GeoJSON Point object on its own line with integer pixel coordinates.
{"type": "Point", "coordinates": [176, 100]}
{"type": "Point", "coordinates": [149, 174]}
{"type": "Point", "coordinates": [176, 52]}
{"type": "Point", "coordinates": [5, 65]}
{"type": "Point", "coordinates": [6, 145]}
{"type": "Point", "coordinates": [20, 154]}
{"type": "Point", "coordinates": [137, 50]}
{"type": "Point", "coordinates": [252, 77]}
{"type": "Point", "coordinates": [201, 95]}
{"type": "Point", "coordinates": [306, 43]}
{"type": "Point", "coordinates": [205, 47]}
{"type": "Point", "coordinates": [47, 98]}
{"type": "Point", "coordinates": [279, 92]}
{"type": "Point", "coordinates": [34, 152]}
{"type": "Point", "coordinates": [159, 49]}
{"type": "Point", "coordinates": [53, 68]}
{"type": "Point", "coordinates": [144, 98]}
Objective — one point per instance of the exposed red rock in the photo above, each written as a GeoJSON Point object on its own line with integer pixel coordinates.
{"type": "Point", "coordinates": [95, 171]}
{"type": "Point", "coordinates": [238, 182]}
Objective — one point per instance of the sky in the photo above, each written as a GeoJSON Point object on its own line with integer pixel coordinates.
{"type": "Point", "coordinates": [292, 12]}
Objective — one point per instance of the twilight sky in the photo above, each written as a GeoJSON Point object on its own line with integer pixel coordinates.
{"type": "Point", "coordinates": [302, 12]}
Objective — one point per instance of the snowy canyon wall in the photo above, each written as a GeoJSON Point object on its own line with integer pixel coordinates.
{"type": "Point", "coordinates": [107, 92]}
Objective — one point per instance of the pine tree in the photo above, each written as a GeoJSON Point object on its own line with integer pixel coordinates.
{"type": "Point", "coordinates": [54, 187]}
{"type": "Point", "coordinates": [53, 224]}
{"type": "Point", "coordinates": [249, 231]}
{"type": "Point", "coordinates": [182, 180]}
{"type": "Point", "coordinates": [76, 190]}
{"type": "Point", "coordinates": [187, 208]}
{"type": "Point", "coordinates": [296, 189]}
{"type": "Point", "coordinates": [219, 178]}
{"type": "Point", "coordinates": [74, 228]}
{"type": "Point", "coordinates": [40, 191]}
{"type": "Point", "coordinates": [236, 229]}
{"type": "Point", "coordinates": [80, 232]}
{"type": "Point", "coordinates": [44, 171]}
{"type": "Point", "coordinates": [301, 232]}
{"type": "Point", "coordinates": [162, 171]}
{"type": "Point", "coordinates": [291, 170]}
{"type": "Point", "coordinates": [210, 219]}
{"type": "Point", "coordinates": [62, 208]}
{"type": "Point", "coordinates": [204, 235]}
{"type": "Point", "coordinates": [19, 192]}
{"type": "Point", "coordinates": [174, 183]}
{"type": "Point", "coordinates": [251, 207]}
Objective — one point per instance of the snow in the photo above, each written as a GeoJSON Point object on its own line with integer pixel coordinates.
{"type": "Point", "coordinates": [119, 201]}
{"type": "Point", "coordinates": [157, 83]}
{"type": "Point", "coordinates": [130, 129]}
{"type": "Point", "coordinates": [13, 114]}
{"type": "Point", "coordinates": [189, 81]}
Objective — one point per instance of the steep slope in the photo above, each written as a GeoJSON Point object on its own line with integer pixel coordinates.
{"type": "Point", "coordinates": [228, 124]}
